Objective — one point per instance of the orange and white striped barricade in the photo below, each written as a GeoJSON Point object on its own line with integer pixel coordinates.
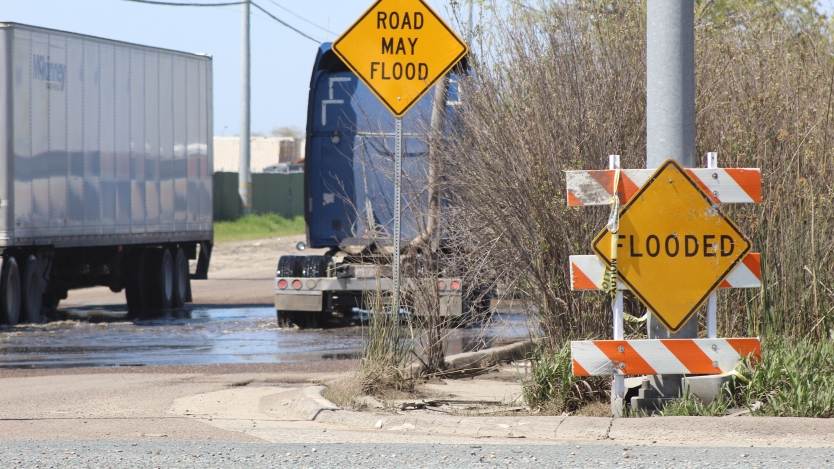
{"type": "Point", "coordinates": [619, 357]}
{"type": "Point", "coordinates": [660, 356]}
{"type": "Point", "coordinates": [723, 185]}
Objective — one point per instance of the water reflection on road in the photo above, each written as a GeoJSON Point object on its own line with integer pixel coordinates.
{"type": "Point", "coordinates": [201, 336]}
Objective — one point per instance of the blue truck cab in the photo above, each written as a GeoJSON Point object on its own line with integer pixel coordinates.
{"type": "Point", "coordinates": [349, 156]}
{"type": "Point", "coordinates": [348, 195]}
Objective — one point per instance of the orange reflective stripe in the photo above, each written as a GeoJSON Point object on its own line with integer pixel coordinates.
{"type": "Point", "coordinates": [690, 355]}
{"type": "Point", "coordinates": [573, 200]}
{"type": "Point", "coordinates": [578, 370]}
{"type": "Point", "coordinates": [634, 363]}
{"type": "Point", "coordinates": [746, 347]}
{"type": "Point", "coordinates": [627, 188]}
{"type": "Point", "coordinates": [753, 261]}
{"type": "Point", "coordinates": [580, 281]}
{"type": "Point", "coordinates": [604, 178]}
{"type": "Point", "coordinates": [749, 181]}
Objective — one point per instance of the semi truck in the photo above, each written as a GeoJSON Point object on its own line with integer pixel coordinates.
{"type": "Point", "coordinates": [348, 203]}
{"type": "Point", "coordinates": [105, 157]}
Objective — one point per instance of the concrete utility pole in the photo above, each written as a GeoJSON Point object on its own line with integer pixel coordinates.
{"type": "Point", "coordinates": [244, 175]}
{"type": "Point", "coordinates": [670, 102]}
{"type": "Point", "coordinates": [670, 119]}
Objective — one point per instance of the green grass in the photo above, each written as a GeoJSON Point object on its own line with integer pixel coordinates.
{"type": "Point", "coordinates": [267, 225]}
{"type": "Point", "coordinates": [552, 387]}
{"type": "Point", "coordinates": [795, 378]}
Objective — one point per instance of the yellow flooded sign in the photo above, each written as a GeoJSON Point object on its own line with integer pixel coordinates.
{"type": "Point", "coordinates": [399, 49]}
{"type": "Point", "coordinates": [675, 247]}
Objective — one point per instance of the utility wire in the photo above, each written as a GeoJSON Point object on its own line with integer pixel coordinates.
{"type": "Point", "coordinates": [182, 4]}
{"type": "Point", "coordinates": [225, 4]}
{"type": "Point", "coordinates": [301, 17]}
{"type": "Point", "coordinates": [260, 16]}
{"type": "Point", "coordinates": [282, 22]}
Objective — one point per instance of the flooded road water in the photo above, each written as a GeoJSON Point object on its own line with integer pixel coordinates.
{"type": "Point", "coordinates": [91, 337]}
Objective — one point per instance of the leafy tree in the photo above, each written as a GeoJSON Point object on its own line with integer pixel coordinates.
{"type": "Point", "coordinates": [287, 131]}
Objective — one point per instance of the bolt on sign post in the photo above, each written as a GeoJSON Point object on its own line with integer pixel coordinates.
{"type": "Point", "coordinates": [399, 49]}
{"type": "Point", "coordinates": [675, 248]}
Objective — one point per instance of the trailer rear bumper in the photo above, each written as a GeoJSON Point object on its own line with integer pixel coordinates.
{"type": "Point", "coordinates": [300, 301]}
{"type": "Point", "coordinates": [310, 294]}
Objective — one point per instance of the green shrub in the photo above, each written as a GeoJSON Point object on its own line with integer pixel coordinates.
{"type": "Point", "coordinates": [553, 388]}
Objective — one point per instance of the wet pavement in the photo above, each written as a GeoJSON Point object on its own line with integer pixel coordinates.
{"type": "Point", "coordinates": [103, 337]}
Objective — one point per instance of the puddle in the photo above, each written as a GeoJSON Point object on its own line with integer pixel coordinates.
{"type": "Point", "coordinates": [202, 336]}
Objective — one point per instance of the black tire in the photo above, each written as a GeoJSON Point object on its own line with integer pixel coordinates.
{"type": "Point", "coordinates": [133, 271]}
{"type": "Point", "coordinates": [314, 266]}
{"type": "Point", "coordinates": [182, 280]}
{"type": "Point", "coordinates": [10, 291]}
{"type": "Point", "coordinates": [31, 288]}
{"type": "Point", "coordinates": [159, 281]}
{"type": "Point", "coordinates": [288, 266]}
{"type": "Point", "coordinates": [303, 319]}
{"type": "Point", "coordinates": [286, 318]}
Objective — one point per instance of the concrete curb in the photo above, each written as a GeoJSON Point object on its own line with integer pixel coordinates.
{"type": "Point", "coordinates": [310, 403]}
{"type": "Point", "coordinates": [716, 431]}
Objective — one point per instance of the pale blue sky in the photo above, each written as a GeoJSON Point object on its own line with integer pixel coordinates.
{"type": "Point", "coordinates": [281, 59]}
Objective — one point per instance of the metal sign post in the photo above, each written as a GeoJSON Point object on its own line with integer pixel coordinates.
{"type": "Point", "coordinates": [398, 175]}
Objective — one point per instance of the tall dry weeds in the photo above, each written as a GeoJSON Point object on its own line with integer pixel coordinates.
{"type": "Point", "coordinates": [562, 87]}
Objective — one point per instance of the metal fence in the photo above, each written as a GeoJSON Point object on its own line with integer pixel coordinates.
{"type": "Point", "coordinates": [281, 194]}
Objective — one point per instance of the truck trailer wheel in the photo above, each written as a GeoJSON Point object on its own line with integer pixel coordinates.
{"type": "Point", "coordinates": [159, 280]}
{"type": "Point", "coordinates": [181, 279]}
{"type": "Point", "coordinates": [32, 291]}
{"type": "Point", "coordinates": [10, 289]}
{"type": "Point", "coordinates": [288, 318]}
{"type": "Point", "coordinates": [289, 266]}
{"type": "Point", "coordinates": [314, 266]}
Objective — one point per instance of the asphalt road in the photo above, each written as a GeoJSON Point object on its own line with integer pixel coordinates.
{"type": "Point", "coordinates": [208, 454]}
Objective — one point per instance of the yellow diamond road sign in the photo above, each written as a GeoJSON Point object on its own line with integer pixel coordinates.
{"type": "Point", "coordinates": [400, 48]}
{"type": "Point", "coordinates": [675, 248]}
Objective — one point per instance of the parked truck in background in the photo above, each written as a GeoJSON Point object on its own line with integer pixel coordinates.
{"type": "Point", "coordinates": [349, 199]}
{"type": "Point", "coordinates": [105, 150]}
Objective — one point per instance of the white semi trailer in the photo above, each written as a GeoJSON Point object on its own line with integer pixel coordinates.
{"type": "Point", "coordinates": [105, 171]}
